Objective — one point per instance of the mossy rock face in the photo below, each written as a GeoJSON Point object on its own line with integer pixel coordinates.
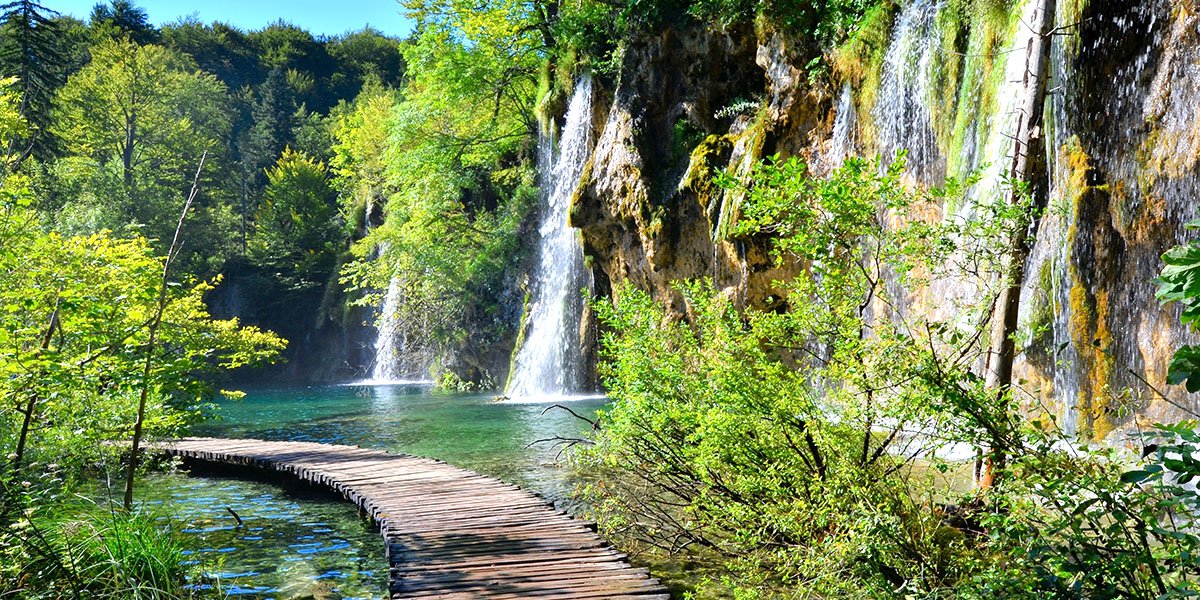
{"type": "Point", "coordinates": [710, 155]}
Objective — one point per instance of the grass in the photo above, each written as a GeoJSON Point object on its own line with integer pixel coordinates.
{"type": "Point", "coordinates": [94, 552]}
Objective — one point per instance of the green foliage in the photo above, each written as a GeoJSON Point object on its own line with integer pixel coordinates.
{"type": "Point", "coordinates": [1083, 525]}
{"type": "Point", "coordinates": [137, 120]}
{"type": "Point", "coordinates": [122, 19]}
{"type": "Point", "coordinates": [297, 225]}
{"type": "Point", "coordinates": [1180, 282]}
{"type": "Point", "coordinates": [94, 552]}
{"type": "Point", "coordinates": [825, 22]}
{"type": "Point", "coordinates": [76, 315]}
{"type": "Point", "coordinates": [784, 445]}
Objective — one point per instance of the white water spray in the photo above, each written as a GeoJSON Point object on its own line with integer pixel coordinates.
{"type": "Point", "coordinates": [550, 361]}
{"type": "Point", "coordinates": [399, 357]}
{"type": "Point", "coordinates": [902, 111]}
{"type": "Point", "coordinates": [845, 126]}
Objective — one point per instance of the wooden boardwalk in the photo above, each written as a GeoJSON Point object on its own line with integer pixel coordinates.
{"type": "Point", "coordinates": [450, 533]}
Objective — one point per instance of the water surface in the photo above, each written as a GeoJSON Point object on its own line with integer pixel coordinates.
{"type": "Point", "coordinates": [290, 544]}
{"type": "Point", "coordinates": [472, 431]}
{"type": "Point", "coordinates": [294, 545]}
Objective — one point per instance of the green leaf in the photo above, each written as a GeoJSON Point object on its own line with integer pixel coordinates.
{"type": "Point", "coordinates": [1140, 475]}
{"type": "Point", "coordinates": [1185, 368]}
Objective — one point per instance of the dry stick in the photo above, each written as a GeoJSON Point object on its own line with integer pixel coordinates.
{"type": "Point", "coordinates": [176, 243]}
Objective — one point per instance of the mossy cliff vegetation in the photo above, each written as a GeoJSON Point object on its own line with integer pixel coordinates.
{"type": "Point", "coordinates": [688, 97]}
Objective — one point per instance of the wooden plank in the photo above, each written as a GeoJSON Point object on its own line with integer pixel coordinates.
{"type": "Point", "coordinates": [448, 532]}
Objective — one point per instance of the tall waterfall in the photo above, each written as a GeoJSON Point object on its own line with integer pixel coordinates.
{"type": "Point", "coordinates": [550, 361]}
{"type": "Point", "coordinates": [902, 112]}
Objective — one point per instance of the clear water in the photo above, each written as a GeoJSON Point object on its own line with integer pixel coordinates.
{"type": "Point", "coordinates": [299, 546]}
{"type": "Point", "coordinates": [290, 545]}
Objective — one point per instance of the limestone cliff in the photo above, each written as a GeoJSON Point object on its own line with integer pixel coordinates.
{"type": "Point", "coordinates": [1123, 169]}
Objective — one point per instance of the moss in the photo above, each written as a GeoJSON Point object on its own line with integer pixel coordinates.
{"type": "Point", "coordinates": [753, 141]}
{"type": "Point", "coordinates": [556, 80]}
{"type": "Point", "coordinates": [522, 332]}
{"type": "Point", "coordinates": [1089, 304]}
{"type": "Point", "coordinates": [685, 136]}
{"type": "Point", "coordinates": [1039, 325]}
{"type": "Point", "coordinates": [710, 155]}
{"type": "Point", "coordinates": [984, 64]}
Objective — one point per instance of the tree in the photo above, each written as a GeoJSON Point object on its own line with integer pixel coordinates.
{"type": "Point", "coordinates": [75, 328]}
{"type": "Point", "coordinates": [361, 131]}
{"type": "Point", "coordinates": [785, 441]}
{"type": "Point", "coordinates": [137, 119]}
{"type": "Point", "coordinates": [1023, 176]}
{"type": "Point", "coordinates": [298, 225]}
{"type": "Point", "coordinates": [273, 121]}
{"type": "Point", "coordinates": [219, 48]}
{"type": "Point", "coordinates": [30, 51]}
{"type": "Point", "coordinates": [122, 19]}
{"type": "Point", "coordinates": [362, 56]}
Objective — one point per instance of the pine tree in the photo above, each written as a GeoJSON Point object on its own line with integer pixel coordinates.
{"type": "Point", "coordinates": [274, 122]}
{"type": "Point", "coordinates": [29, 51]}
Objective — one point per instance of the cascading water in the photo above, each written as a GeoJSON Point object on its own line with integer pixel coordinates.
{"type": "Point", "coordinates": [902, 115]}
{"type": "Point", "coordinates": [390, 344]}
{"type": "Point", "coordinates": [400, 357]}
{"type": "Point", "coordinates": [549, 362]}
{"type": "Point", "coordinates": [845, 123]}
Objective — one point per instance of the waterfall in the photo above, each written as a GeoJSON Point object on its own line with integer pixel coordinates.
{"type": "Point", "coordinates": [902, 114]}
{"type": "Point", "coordinates": [845, 125]}
{"type": "Point", "coordinates": [400, 357]}
{"type": "Point", "coordinates": [550, 362]}
{"type": "Point", "coordinates": [390, 344]}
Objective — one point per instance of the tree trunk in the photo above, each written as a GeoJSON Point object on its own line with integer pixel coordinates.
{"type": "Point", "coordinates": [1028, 147]}
{"type": "Point", "coordinates": [31, 405]}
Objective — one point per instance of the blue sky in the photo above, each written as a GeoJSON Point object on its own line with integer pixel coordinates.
{"type": "Point", "coordinates": [329, 17]}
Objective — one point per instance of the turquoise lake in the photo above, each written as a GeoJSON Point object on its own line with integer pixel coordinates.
{"type": "Point", "coordinates": [295, 544]}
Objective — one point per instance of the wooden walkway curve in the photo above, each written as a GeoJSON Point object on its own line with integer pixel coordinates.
{"type": "Point", "coordinates": [450, 533]}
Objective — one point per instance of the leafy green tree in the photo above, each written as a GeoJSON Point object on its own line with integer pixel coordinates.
{"type": "Point", "coordinates": [298, 224]}
{"type": "Point", "coordinates": [362, 131]}
{"type": "Point", "coordinates": [304, 61]}
{"type": "Point", "coordinates": [273, 119]}
{"type": "Point", "coordinates": [76, 315]}
{"type": "Point", "coordinates": [458, 182]}
{"type": "Point", "coordinates": [219, 48]}
{"type": "Point", "coordinates": [363, 56]}
{"type": "Point", "coordinates": [137, 120]}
